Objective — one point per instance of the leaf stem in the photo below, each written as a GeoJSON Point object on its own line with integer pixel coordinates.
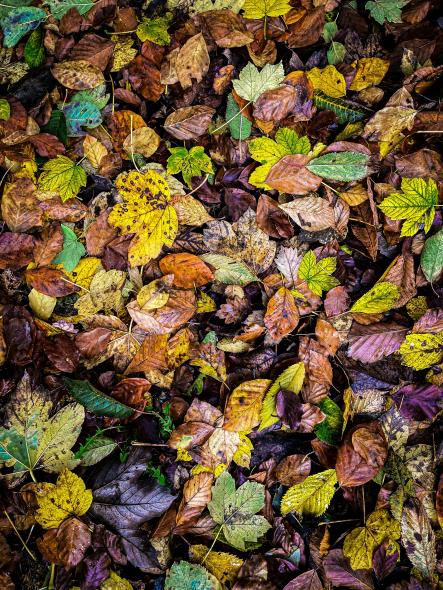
{"type": "Point", "coordinates": [232, 118]}
{"type": "Point", "coordinates": [19, 536]}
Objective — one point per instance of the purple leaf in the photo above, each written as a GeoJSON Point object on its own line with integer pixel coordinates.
{"type": "Point", "coordinates": [289, 408]}
{"type": "Point", "coordinates": [419, 401]}
{"type": "Point", "coordinates": [369, 344]}
{"type": "Point", "coordinates": [340, 573]}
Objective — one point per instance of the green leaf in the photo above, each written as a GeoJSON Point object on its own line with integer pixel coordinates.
{"type": "Point", "coordinates": [432, 257]}
{"type": "Point", "coordinates": [236, 512]}
{"type": "Point", "coordinates": [8, 5]}
{"type": "Point", "coordinates": [292, 379]}
{"type": "Point", "coordinates": [5, 109]}
{"type": "Point", "coordinates": [190, 576]}
{"type": "Point", "coordinates": [81, 113]}
{"type": "Point", "coordinates": [330, 429]}
{"type": "Point", "coordinates": [59, 8]}
{"type": "Point", "coordinates": [230, 271]}
{"type": "Point", "coordinates": [420, 351]}
{"type": "Point", "coordinates": [312, 496]}
{"type": "Point", "coordinates": [95, 449]}
{"type": "Point", "coordinates": [318, 275]}
{"type": "Point", "coordinates": [20, 21]}
{"type": "Point", "coordinates": [56, 126]}
{"type": "Point", "coordinates": [190, 163]}
{"type": "Point", "coordinates": [155, 30]}
{"type": "Point", "coordinates": [95, 401]}
{"type": "Point", "coordinates": [34, 49]}
{"type": "Point", "coordinates": [344, 111]}
{"type": "Point", "coordinates": [239, 126]}
{"type": "Point", "coordinates": [329, 31]}
{"type": "Point", "coordinates": [416, 204]}
{"type": "Point", "coordinates": [63, 176]}
{"type": "Point", "coordinates": [336, 53]}
{"type": "Point", "coordinates": [344, 166]}
{"type": "Point", "coordinates": [265, 8]}
{"type": "Point", "coordinates": [252, 82]}
{"type": "Point", "coordinates": [386, 10]}
{"type": "Point", "coordinates": [72, 251]}
{"type": "Point", "coordinates": [382, 297]}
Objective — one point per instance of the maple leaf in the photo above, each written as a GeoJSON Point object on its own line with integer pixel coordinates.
{"type": "Point", "coordinates": [72, 251]}
{"type": "Point", "coordinates": [190, 163]}
{"type": "Point", "coordinates": [236, 511]}
{"type": "Point", "coordinates": [416, 204]}
{"type": "Point", "coordinates": [386, 10]}
{"type": "Point", "coordinates": [57, 502]}
{"type": "Point", "coordinates": [63, 176]}
{"type": "Point", "coordinates": [318, 275]}
{"type": "Point", "coordinates": [252, 82]}
{"type": "Point", "coordinates": [265, 8]}
{"type": "Point", "coordinates": [145, 212]}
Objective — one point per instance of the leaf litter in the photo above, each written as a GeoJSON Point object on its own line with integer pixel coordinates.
{"type": "Point", "coordinates": [221, 263]}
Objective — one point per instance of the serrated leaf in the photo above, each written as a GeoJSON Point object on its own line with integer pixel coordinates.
{"type": "Point", "coordinates": [382, 297]}
{"type": "Point", "coordinates": [416, 204]}
{"type": "Point", "coordinates": [239, 126]}
{"type": "Point", "coordinates": [330, 429]}
{"type": "Point", "coordinates": [57, 502]}
{"type": "Point", "coordinates": [20, 21]}
{"type": "Point", "coordinates": [155, 30]}
{"type": "Point", "coordinates": [318, 275]}
{"type": "Point", "coordinates": [190, 163]}
{"type": "Point", "coordinates": [190, 576]}
{"type": "Point", "coordinates": [63, 176]}
{"type": "Point", "coordinates": [265, 8]}
{"type": "Point", "coordinates": [34, 440]}
{"type": "Point", "coordinates": [386, 10]}
{"type": "Point", "coordinates": [145, 212]}
{"type": "Point", "coordinates": [344, 111]}
{"type": "Point", "coordinates": [236, 511]}
{"type": "Point", "coordinates": [59, 8]}
{"type": "Point", "coordinates": [95, 449]}
{"type": "Point", "coordinates": [431, 260]}
{"type": "Point", "coordinates": [418, 538]}
{"type": "Point", "coordinates": [312, 496]}
{"type": "Point", "coordinates": [95, 401]}
{"type": "Point", "coordinates": [359, 544]}
{"type": "Point", "coordinates": [253, 82]}
{"type": "Point", "coordinates": [291, 379]}
{"type": "Point", "coordinates": [5, 109]}
{"type": "Point", "coordinates": [343, 166]}
{"type": "Point", "coordinates": [420, 351]}
{"type": "Point", "coordinates": [72, 251]}
{"type": "Point", "coordinates": [34, 51]}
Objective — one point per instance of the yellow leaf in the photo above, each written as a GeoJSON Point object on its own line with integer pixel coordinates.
{"type": "Point", "coordinates": [190, 211]}
{"type": "Point", "coordinates": [312, 496]}
{"type": "Point", "coordinates": [359, 545]}
{"type": "Point", "coordinates": [355, 195]}
{"type": "Point", "coordinates": [67, 497]}
{"type": "Point", "coordinates": [265, 8]}
{"type": "Point", "coordinates": [114, 582]}
{"type": "Point", "coordinates": [63, 176]}
{"type": "Point", "coordinates": [328, 80]}
{"type": "Point", "coordinates": [243, 408]}
{"type": "Point", "coordinates": [104, 293]}
{"type": "Point", "coordinates": [370, 72]}
{"type": "Point", "coordinates": [242, 455]}
{"type": "Point", "coordinates": [153, 295]}
{"type": "Point", "coordinates": [292, 379]}
{"type": "Point", "coordinates": [84, 272]}
{"type": "Point", "coordinates": [205, 303]}
{"type": "Point", "coordinates": [420, 351]}
{"type": "Point", "coordinates": [143, 140]}
{"type": "Point", "coordinates": [124, 53]}
{"type": "Point", "coordinates": [146, 212]}
{"type": "Point", "coordinates": [94, 150]}
{"type": "Point", "coordinates": [223, 566]}
{"type": "Point", "coordinates": [382, 297]}
{"type": "Point", "coordinates": [42, 305]}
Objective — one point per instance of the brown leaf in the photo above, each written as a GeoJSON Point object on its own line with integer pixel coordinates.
{"type": "Point", "coordinates": [227, 28]}
{"type": "Point", "coordinates": [310, 213]}
{"type": "Point", "coordinates": [99, 234]}
{"type": "Point", "coordinates": [222, 79]}
{"type": "Point", "coordinates": [145, 78]}
{"type": "Point", "coordinates": [271, 219]}
{"type": "Point", "coordinates": [293, 469]}
{"type": "Point", "coordinates": [16, 250]}
{"type": "Point", "coordinates": [152, 355]}
{"type": "Point", "coordinates": [189, 270]}
{"type": "Point", "coordinates": [19, 206]}
{"type": "Point", "coordinates": [307, 30]}
{"type": "Point", "coordinates": [290, 175]}
{"type": "Point", "coordinates": [274, 105]}
{"type": "Point", "coordinates": [93, 49]}
{"type": "Point", "coordinates": [47, 145]}
{"type": "Point", "coordinates": [196, 495]}
{"type": "Point", "coordinates": [192, 61]}
{"type": "Point", "coordinates": [361, 455]}
{"type": "Point", "coordinates": [78, 75]}
{"type": "Point", "coordinates": [132, 391]}
{"type": "Point", "coordinates": [66, 545]}
{"type": "Point", "coordinates": [189, 122]}
{"type": "Point", "coordinates": [48, 245]}
{"type": "Point", "coordinates": [73, 210]}
{"type": "Point", "coordinates": [62, 352]}
{"type": "Point", "coordinates": [327, 335]}
{"type": "Point", "coordinates": [50, 281]}
{"type": "Point", "coordinates": [318, 369]}
{"type": "Point", "coordinates": [281, 315]}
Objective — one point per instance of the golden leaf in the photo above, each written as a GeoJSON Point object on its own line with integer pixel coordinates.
{"type": "Point", "coordinates": [243, 409]}
{"type": "Point", "coordinates": [328, 80]}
